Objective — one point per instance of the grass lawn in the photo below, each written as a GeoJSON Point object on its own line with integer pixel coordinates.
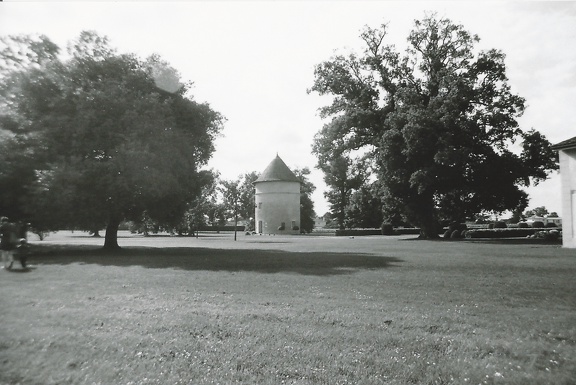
{"type": "Point", "coordinates": [289, 310]}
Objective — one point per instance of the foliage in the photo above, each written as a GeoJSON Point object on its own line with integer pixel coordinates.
{"type": "Point", "coordinates": [231, 192]}
{"type": "Point", "coordinates": [438, 122]}
{"type": "Point", "coordinates": [342, 177]}
{"type": "Point", "coordinates": [16, 172]}
{"type": "Point", "coordinates": [199, 209]}
{"type": "Point", "coordinates": [500, 225]}
{"type": "Point", "coordinates": [307, 213]}
{"type": "Point", "coordinates": [109, 135]}
{"type": "Point", "coordinates": [247, 202]}
{"type": "Point", "coordinates": [364, 208]}
{"type": "Point", "coordinates": [519, 232]}
{"type": "Point", "coordinates": [540, 211]}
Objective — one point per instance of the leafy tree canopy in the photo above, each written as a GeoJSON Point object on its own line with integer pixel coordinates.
{"type": "Point", "coordinates": [438, 122]}
{"type": "Point", "coordinates": [540, 211]}
{"type": "Point", "coordinates": [307, 213]}
{"type": "Point", "coordinates": [232, 195]}
{"type": "Point", "coordinates": [342, 177]}
{"type": "Point", "coordinates": [108, 136]}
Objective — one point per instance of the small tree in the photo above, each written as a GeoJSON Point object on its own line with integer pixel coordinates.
{"type": "Point", "coordinates": [342, 176]}
{"type": "Point", "coordinates": [247, 201]}
{"type": "Point", "coordinates": [200, 208]}
{"type": "Point", "coordinates": [231, 193]}
{"type": "Point", "coordinates": [538, 212]}
{"type": "Point", "coordinates": [307, 213]}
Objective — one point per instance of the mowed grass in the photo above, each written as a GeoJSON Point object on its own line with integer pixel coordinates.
{"type": "Point", "coordinates": [289, 310]}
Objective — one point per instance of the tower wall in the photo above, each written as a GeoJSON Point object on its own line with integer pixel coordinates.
{"type": "Point", "coordinates": [277, 203]}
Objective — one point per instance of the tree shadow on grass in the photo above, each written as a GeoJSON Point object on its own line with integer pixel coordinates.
{"type": "Point", "coordinates": [197, 258]}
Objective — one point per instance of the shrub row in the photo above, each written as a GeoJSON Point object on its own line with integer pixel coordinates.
{"type": "Point", "coordinates": [221, 228]}
{"type": "Point", "coordinates": [358, 232]}
{"type": "Point", "coordinates": [387, 231]}
{"type": "Point", "coordinates": [510, 232]}
{"type": "Point", "coordinates": [503, 233]}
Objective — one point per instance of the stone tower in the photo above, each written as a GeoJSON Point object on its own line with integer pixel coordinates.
{"type": "Point", "coordinates": [277, 200]}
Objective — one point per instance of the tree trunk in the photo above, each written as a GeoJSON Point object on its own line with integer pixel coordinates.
{"type": "Point", "coordinates": [428, 221]}
{"type": "Point", "coordinates": [429, 230]}
{"type": "Point", "coordinates": [111, 237]}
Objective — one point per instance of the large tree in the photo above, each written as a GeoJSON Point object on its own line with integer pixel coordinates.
{"type": "Point", "coordinates": [112, 136]}
{"type": "Point", "coordinates": [439, 123]}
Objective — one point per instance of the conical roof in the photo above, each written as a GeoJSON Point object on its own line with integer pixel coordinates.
{"type": "Point", "coordinates": [277, 171]}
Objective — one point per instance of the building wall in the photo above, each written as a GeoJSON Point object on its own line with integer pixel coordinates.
{"type": "Point", "coordinates": [568, 181]}
{"type": "Point", "coordinates": [277, 202]}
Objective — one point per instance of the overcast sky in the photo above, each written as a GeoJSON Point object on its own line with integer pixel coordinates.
{"type": "Point", "coordinates": [254, 60]}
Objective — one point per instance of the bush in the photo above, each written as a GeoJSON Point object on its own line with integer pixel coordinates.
{"type": "Point", "coordinates": [537, 224]}
{"type": "Point", "coordinates": [551, 224]}
{"type": "Point", "coordinates": [499, 233]}
{"type": "Point", "coordinates": [550, 235]}
{"type": "Point", "coordinates": [523, 225]}
{"type": "Point", "coordinates": [406, 231]}
{"type": "Point", "coordinates": [386, 228]}
{"type": "Point", "coordinates": [457, 226]}
{"type": "Point", "coordinates": [500, 225]}
{"type": "Point", "coordinates": [455, 234]}
{"type": "Point", "coordinates": [358, 232]}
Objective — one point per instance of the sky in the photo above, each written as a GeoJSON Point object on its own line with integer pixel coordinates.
{"type": "Point", "coordinates": [253, 61]}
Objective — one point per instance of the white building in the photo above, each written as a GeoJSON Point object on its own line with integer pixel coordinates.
{"type": "Point", "coordinates": [277, 200]}
{"type": "Point", "coordinates": [567, 155]}
{"type": "Point", "coordinates": [319, 222]}
{"type": "Point", "coordinates": [556, 220]}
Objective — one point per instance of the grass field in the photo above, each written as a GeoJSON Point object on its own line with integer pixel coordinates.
{"type": "Point", "coordinates": [289, 310]}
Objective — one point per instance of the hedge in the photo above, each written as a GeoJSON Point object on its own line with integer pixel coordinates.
{"type": "Point", "coordinates": [221, 228]}
{"type": "Point", "coordinates": [358, 232]}
{"type": "Point", "coordinates": [361, 232]}
{"type": "Point", "coordinates": [503, 233]}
